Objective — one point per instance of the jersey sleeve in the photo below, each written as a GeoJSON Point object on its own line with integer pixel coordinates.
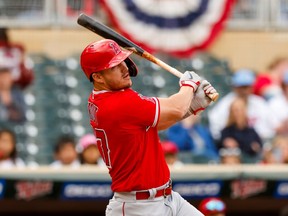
{"type": "Point", "coordinates": [140, 110]}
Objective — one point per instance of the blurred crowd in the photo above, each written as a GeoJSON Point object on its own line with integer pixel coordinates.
{"type": "Point", "coordinates": [247, 125]}
{"type": "Point", "coordinates": [67, 151]}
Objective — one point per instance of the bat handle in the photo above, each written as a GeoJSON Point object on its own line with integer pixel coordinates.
{"type": "Point", "coordinates": [174, 71]}
{"type": "Point", "coordinates": [212, 96]}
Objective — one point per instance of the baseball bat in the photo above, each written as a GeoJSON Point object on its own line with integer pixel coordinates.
{"type": "Point", "coordinates": [108, 33]}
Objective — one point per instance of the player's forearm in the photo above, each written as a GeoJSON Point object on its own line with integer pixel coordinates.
{"type": "Point", "coordinates": [181, 101]}
{"type": "Point", "coordinates": [174, 108]}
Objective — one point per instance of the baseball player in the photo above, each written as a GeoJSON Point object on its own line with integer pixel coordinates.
{"type": "Point", "coordinates": [126, 125]}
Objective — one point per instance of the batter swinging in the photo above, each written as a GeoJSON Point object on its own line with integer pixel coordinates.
{"type": "Point", "coordinates": [126, 125]}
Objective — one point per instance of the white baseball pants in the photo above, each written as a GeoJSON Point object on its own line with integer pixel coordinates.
{"type": "Point", "coordinates": [173, 205]}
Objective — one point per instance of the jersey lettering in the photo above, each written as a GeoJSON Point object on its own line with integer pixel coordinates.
{"type": "Point", "coordinates": [101, 137]}
{"type": "Point", "coordinates": [102, 143]}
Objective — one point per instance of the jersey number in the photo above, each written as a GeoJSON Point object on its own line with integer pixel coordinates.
{"type": "Point", "coordinates": [102, 143]}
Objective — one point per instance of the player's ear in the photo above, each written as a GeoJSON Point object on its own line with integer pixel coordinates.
{"type": "Point", "coordinates": [97, 77]}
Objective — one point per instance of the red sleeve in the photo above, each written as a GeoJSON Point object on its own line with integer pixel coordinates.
{"type": "Point", "coordinates": [140, 110]}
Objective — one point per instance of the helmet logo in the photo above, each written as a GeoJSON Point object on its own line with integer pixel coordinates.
{"type": "Point", "coordinates": [115, 48]}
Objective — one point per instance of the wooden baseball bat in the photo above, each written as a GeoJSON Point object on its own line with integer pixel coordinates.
{"type": "Point", "coordinates": [108, 33]}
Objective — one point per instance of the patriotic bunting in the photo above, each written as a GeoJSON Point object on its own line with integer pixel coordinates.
{"type": "Point", "coordinates": [176, 27]}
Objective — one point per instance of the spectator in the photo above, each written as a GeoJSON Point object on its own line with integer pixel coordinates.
{"type": "Point", "coordinates": [230, 156]}
{"type": "Point", "coordinates": [270, 156]}
{"type": "Point", "coordinates": [193, 137]}
{"type": "Point", "coordinates": [12, 105]}
{"type": "Point", "coordinates": [279, 107]}
{"type": "Point", "coordinates": [65, 153]}
{"type": "Point", "coordinates": [14, 57]}
{"type": "Point", "coordinates": [279, 149]}
{"type": "Point", "coordinates": [170, 150]}
{"type": "Point", "coordinates": [267, 84]}
{"type": "Point", "coordinates": [8, 150]}
{"type": "Point", "coordinates": [238, 133]}
{"type": "Point", "coordinates": [212, 206]}
{"type": "Point", "coordinates": [258, 112]}
{"type": "Point", "coordinates": [90, 154]}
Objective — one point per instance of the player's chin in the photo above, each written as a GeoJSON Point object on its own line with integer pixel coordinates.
{"type": "Point", "coordinates": [127, 83]}
{"type": "Point", "coordinates": [123, 85]}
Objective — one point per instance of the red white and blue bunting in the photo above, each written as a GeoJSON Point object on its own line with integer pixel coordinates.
{"type": "Point", "coordinates": [176, 27]}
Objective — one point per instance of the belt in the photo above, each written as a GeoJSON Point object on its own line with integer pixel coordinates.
{"type": "Point", "coordinates": [142, 195]}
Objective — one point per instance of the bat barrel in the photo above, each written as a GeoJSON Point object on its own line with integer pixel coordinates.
{"type": "Point", "coordinates": [106, 32]}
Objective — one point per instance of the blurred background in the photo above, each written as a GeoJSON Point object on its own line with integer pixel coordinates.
{"type": "Point", "coordinates": [40, 45]}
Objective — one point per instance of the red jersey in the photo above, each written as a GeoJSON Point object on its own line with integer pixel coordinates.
{"type": "Point", "coordinates": [125, 123]}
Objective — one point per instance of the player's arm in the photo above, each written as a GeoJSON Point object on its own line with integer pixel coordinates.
{"type": "Point", "coordinates": [198, 103]}
{"type": "Point", "coordinates": [175, 108]}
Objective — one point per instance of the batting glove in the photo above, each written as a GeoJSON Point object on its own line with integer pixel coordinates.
{"type": "Point", "coordinates": [200, 100]}
{"type": "Point", "coordinates": [190, 78]}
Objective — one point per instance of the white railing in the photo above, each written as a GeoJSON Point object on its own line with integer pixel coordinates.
{"type": "Point", "coordinates": [187, 172]}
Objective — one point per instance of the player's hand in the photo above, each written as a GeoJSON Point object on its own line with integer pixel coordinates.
{"type": "Point", "coordinates": [200, 100]}
{"type": "Point", "coordinates": [190, 78]}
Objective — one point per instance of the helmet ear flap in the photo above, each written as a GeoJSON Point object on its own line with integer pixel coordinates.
{"type": "Point", "coordinates": [133, 71]}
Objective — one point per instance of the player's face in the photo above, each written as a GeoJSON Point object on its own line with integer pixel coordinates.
{"type": "Point", "coordinates": [117, 78]}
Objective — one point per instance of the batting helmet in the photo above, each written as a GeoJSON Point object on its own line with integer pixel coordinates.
{"type": "Point", "coordinates": [105, 54]}
{"type": "Point", "coordinates": [211, 206]}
